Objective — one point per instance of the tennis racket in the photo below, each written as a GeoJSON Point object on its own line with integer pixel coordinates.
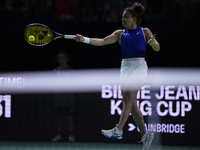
{"type": "Point", "coordinates": [38, 34]}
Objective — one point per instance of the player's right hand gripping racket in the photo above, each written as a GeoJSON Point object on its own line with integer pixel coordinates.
{"type": "Point", "coordinates": [38, 34]}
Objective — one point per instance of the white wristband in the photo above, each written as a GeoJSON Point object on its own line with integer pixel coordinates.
{"type": "Point", "coordinates": [87, 40]}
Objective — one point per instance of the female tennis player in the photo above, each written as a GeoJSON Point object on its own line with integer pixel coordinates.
{"type": "Point", "coordinates": [133, 40]}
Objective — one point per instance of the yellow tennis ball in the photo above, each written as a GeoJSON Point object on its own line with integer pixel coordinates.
{"type": "Point", "coordinates": [31, 38]}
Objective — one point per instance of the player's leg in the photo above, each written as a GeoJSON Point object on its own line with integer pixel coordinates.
{"type": "Point", "coordinates": [137, 115]}
{"type": "Point", "coordinates": [128, 100]}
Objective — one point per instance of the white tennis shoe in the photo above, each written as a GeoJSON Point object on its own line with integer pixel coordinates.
{"type": "Point", "coordinates": [147, 140]}
{"type": "Point", "coordinates": [114, 133]}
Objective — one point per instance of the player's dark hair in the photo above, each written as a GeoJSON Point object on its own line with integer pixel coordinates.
{"type": "Point", "coordinates": [136, 11]}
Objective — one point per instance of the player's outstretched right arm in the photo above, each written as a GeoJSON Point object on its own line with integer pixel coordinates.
{"type": "Point", "coordinates": [111, 39]}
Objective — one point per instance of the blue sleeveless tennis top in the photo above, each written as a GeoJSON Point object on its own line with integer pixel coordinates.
{"type": "Point", "coordinates": [133, 43]}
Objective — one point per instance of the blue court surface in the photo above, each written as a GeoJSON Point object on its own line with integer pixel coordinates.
{"type": "Point", "coordinates": [13, 145]}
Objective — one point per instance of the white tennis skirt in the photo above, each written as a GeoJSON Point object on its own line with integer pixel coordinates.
{"type": "Point", "coordinates": [133, 73]}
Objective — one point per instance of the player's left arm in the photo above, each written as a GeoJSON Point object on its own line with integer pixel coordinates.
{"type": "Point", "coordinates": [151, 39]}
{"type": "Point", "coordinates": [110, 39]}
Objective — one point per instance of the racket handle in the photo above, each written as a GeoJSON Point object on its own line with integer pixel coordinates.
{"type": "Point", "coordinates": [69, 36]}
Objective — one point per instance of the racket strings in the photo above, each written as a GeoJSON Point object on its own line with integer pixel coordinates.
{"type": "Point", "coordinates": [42, 34]}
